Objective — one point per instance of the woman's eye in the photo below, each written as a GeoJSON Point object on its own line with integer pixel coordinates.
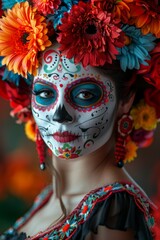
{"type": "Point", "coordinates": [46, 94]}
{"type": "Point", "coordinates": [85, 95]}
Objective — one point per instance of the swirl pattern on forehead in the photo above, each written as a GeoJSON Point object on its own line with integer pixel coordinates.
{"type": "Point", "coordinates": [53, 61]}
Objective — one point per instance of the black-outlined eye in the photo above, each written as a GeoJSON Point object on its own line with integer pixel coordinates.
{"type": "Point", "coordinates": [44, 95]}
{"type": "Point", "coordinates": [86, 94]}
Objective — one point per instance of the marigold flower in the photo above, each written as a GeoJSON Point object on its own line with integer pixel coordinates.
{"type": "Point", "coordinates": [131, 151]}
{"type": "Point", "coordinates": [46, 6]}
{"type": "Point", "coordinates": [89, 35]}
{"type": "Point", "coordinates": [144, 116]}
{"type": "Point", "coordinates": [120, 9]}
{"type": "Point", "coordinates": [30, 130]}
{"type": "Point", "coordinates": [22, 34]}
{"type": "Point", "coordinates": [145, 15]}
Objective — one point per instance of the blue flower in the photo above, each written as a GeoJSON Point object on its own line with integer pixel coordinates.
{"type": "Point", "coordinates": [6, 4]}
{"type": "Point", "coordinates": [57, 16]}
{"type": "Point", "coordinates": [136, 52]}
{"type": "Point", "coordinates": [14, 77]}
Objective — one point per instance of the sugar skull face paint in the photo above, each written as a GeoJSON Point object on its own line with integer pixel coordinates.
{"type": "Point", "coordinates": [74, 107]}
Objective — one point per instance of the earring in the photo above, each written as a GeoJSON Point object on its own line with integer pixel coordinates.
{"type": "Point", "coordinates": [41, 149]}
{"type": "Point", "coordinates": [124, 128]}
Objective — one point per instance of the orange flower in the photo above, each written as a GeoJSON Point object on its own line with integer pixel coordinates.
{"type": "Point", "coordinates": [30, 130]}
{"type": "Point", "coordinates": [131, 151]}
{"type": "Point", "coordinates": [22, 34]}
{"type": "Point", "coordinates": [145, 15]}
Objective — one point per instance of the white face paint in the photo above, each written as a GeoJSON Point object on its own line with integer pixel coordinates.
{"type": "Point", "coordinates": [74, 107]}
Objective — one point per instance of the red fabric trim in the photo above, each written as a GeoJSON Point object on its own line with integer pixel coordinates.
{"type": "Point", "coordinates": [79, 206]}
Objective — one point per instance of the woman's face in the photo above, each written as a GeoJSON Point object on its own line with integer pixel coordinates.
{"type": "Point", "coordinates": [74, 107]}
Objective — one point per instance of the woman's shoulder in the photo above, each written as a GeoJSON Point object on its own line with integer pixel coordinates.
{"type": "Point", "coordinates": [41, 199]}
{"type": "Point", "coordinates": [117, 206]}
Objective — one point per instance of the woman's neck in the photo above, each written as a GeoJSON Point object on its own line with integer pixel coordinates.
{"type": "Point", "coordinates": [79, 176]}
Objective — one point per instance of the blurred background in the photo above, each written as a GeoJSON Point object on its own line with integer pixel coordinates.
{"type": "Point", "coordinates": [21, 180]}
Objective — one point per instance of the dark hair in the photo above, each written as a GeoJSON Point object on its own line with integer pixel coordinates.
{"type": "Point", "coordinates": [125, 81]}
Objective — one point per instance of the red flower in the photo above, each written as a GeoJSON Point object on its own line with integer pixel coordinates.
{"type": "Point", "coordinates": [145, 15]}
{"type": "Point", "coordinates": [67, 153]}
{"type": "Point", "coordinates": [23, 114]}
{"type": "Point", "coordinates": [151, 73]}
{"type": "Point", "coordinates": [142, 138]}
{"type": "Point", "coordinates": [89, 35]}
{"type": "Point", "coordinates": [152, 98]}
{"type": "Point", "coordinates": [1, 11]}
{"type": "Point", "coordinates": [19, 98]}
{"type": "Point", "coordinates": [3, 90]}
{"type": "Point", "coordinates": [66, 227]}
{"type": "Point", "coordinates": [85, 209]}
{"type": "Point", "coordinates": [46, 6]}
{"type": "Point", "coordinates": [18, 95]}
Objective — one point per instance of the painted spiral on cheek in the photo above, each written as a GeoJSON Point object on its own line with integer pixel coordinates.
{"type": "Point", "coordinates": [88, 143]}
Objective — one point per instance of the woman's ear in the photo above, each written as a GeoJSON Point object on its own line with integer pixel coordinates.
{"type": "Point", "coordinates": [124, 106]}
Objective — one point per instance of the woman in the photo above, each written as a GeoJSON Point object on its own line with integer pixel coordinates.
{"type": "Point", "coordinates": [85, 103]}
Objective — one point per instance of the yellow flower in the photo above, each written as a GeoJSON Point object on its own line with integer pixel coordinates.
{"type": "Point", "coordinates": [30, 128]}
{"type": "Point", "coordinates": [131, 151]}
{"type": "Point", "coordinates": [23, 33]}
{"type": "Point", "coordinates": [144, 116]}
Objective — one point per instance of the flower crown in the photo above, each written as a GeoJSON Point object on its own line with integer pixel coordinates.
{"type": "Point", "coordinates": [93, 32]}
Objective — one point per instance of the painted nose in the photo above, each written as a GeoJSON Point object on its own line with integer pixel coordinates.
{"type": "Point", "coordinates": [61, 115]}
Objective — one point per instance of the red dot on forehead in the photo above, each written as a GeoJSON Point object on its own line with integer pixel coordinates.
{"type": "Point", "coordinates": [61, 85]}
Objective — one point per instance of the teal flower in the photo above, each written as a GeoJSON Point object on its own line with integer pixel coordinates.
{"type": "Point", "coordinates": [137, 48]}
{"type": "Point", "coordinates": [7, 4]}
{"type": "Point", "coordinates": [14, 77]}
{"type": "Point", "coordinates": [65, 6]}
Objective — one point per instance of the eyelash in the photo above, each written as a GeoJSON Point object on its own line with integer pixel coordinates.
{"type": "Point", "coordinates": [37, 93]}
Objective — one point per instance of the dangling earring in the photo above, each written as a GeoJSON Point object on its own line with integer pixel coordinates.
{"type": "Point", "coordinates": [124, 128]}
{"type": "Point", "coordinates": [41, 149]}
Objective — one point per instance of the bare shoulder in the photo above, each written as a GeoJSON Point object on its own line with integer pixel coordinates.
{"type": "Point", "coordinates": [109, 234]}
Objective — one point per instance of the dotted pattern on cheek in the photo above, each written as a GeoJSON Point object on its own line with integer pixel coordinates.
{"type": "Point", "coordinates": [103, 100]}
{"type": "Point", "coordinates": [41, 107]}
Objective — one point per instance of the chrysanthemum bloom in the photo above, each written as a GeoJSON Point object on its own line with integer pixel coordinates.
{"type": "Point", "coordinates": [30, 130]}
{"type": "Point", "coordinates": [136, 49]}
{"type": "Point", "coordinates": [146, 15]}
{"type": "Point", "coordinates": [120, 9]}
{"type": "Point", "coordinates": [131, 151]}
{"type": "Point", "coordinates": [144, 117]}
{"type": "Point", "coordinates": [46, 6]}
{"type": "Point", "coordinates": [89, 35]}
{"type": "Point", "coordinates": [23, 33]}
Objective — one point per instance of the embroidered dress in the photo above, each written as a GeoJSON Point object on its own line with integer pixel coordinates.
{"type": "Point", "coordinates": [117, 206]}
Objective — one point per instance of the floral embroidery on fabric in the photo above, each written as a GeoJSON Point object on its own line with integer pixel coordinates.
{"type": "Point", "coordinates": [68, 227]}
